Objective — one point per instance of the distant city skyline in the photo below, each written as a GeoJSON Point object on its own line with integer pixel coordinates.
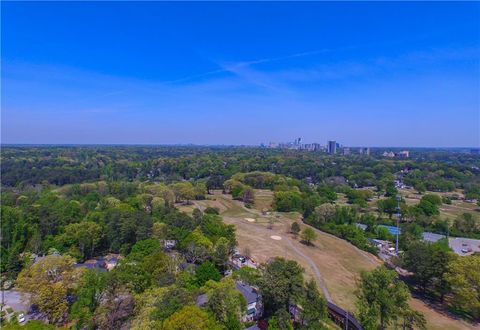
{"type": "Point", "coordinates": [376, 74]}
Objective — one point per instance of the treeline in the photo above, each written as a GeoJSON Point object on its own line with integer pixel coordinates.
{"type": "Point", "coordinates": [317, 205]}
{"type": "Point", "coordinates": [440, 275]}
{"type": "Point", "coordinates": [66, 165]}
{"type": "Point", "coordinates": [85, 220]}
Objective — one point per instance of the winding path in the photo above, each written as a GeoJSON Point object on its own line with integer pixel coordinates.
{"type": "Point", "coordinates": [315, 270]}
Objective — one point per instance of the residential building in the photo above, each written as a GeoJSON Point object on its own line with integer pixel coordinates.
{"type": "Point", "coordinates": [253, 299]}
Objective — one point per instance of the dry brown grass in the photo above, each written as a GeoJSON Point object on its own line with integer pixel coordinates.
{"type": "Point", "coordinates": [339, 262]}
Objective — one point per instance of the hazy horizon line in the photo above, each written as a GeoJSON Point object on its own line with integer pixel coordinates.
{"type": "Point", "coordinates": [220, 145]}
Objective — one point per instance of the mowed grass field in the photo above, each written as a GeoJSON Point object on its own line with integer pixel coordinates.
{"type": "Point", "coordinates": [339, 263]}
{"type": "Point", "coordinates": [452, 211]}
{"type": "Point", "coordinates": [458, 207]}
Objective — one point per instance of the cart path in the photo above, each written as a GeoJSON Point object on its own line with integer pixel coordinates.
{"type": "Point", "coordinates": [315, 270]}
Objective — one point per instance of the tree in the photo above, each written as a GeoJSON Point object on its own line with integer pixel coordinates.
{"type": "Point", "coordinates": [420, 187]}
{"type": "Point", "coordinates": [308, 236]}
{"type": "Point", "coordinates": [86, 235]}
{"type": "Point", "coordinates": [190, 318]}
{"type": "Point", "coordinates": [48, 281]}
{"type": "Point", "coordinates": [211, 210]}
{"type": "Point", "coordinates": [314, 307]}
{"type": "Point", "coordinates": [388, 205]}
{"type": "Point", "coordinates": [428, 262]}
{"type": "Point", "coordinates": [169, 302]}
{"type": "Point", "coordinates": [205, 272]}
{"type": "Point", "coordinates": [295, 228]}
{"type": "Point", "coordinates": [145, 305]}
{"type": "Point", "coordinates": [281, 283]}
{"type": "Point", "coordinates": [280, 321]}
{"type": "Point", "coordinates": [248, 196]}
{"type": "Point", "coordinates": [463, 276]}
{"type": "Point", "coordinates": [221, 253]}
{"type": "Point", "coordinates": [88, 294]}
{"type": "Point", "coordinates": [412, 320]}
{"type": "Point", "coordinates": [429, 204]}
{"type": "Point", "coordinates": [184, 191]}
{"type": "Point", "coordinates": [327, 193]}
{"type": "Point", "coordinates": [197, 246]}
{"type": "Point", "coordinates": [159, 230]}
{"type": "Point", "coordinates": [197, 215]}
{"type": "Point", "coordinates": [30, 325]}
{"type": "Point", "coordinates": [288, 201]}
{"type": "Point", "coordinates": [225, 302]}
{"type": "Point", "coordinates": [116, 308]}
{"type": "Point", "coordinates": [390, 189]}
{"type": "Point", "coordinates": [324, 213]}
{"type": "Point", "coordinates": [380, 296]}
{"type": "Point", "coordinates": [144, 248]}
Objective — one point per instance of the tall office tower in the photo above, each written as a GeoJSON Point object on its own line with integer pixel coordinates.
{"type": "Point", "coordinates": [346, 151]}
{"type": "Point", "coordinates": [332, 147]}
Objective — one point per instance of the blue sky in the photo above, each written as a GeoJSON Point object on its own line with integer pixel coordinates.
{"type": "Point", "coordinates": [373, 74]}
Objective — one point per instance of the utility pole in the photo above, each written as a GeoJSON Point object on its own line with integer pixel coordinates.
{"type": "Point", "coordinates": [399, 198]}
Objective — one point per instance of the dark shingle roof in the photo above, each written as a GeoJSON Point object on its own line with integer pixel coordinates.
{"type": "Point", "coordinates": [248, 292]}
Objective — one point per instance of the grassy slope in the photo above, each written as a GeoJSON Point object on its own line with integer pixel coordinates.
{"type": "Point", "coordinates": [338, 261]}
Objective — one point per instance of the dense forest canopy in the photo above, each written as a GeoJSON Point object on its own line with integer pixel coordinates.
{"type": "Point", "coordinates": [65, 165]}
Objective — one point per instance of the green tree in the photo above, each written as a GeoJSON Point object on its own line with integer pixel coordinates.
{"type": "Point", "coordinates": [225, 302]}
{"type": "Point", "coordinates": [287, 201]}
{"type": "Point", "coordinates": [49, 281]}
{"type": "Point", "coordinates": [205, 272]}
{"type": "Point", "coordinates": [86, 234]}
{"type": "Point", "coordinates": [295, 228]}
{"type": "Point", "coordinates": [428, 262]}
{"type": "Point", "coordinates": [169, 302]}
{"type": "Point", "coordinates": [88, 294]}
{"type": "Point", "coordinates": [314, 307]}
{"type": "Point", "coordinates": [221, 253]}
{"type": "Point", "coordinates": [380, 297]}
{"type": "Point", "coordinates": [280, 321]}
{"type": "Point", "coordinates": [327, 193]}
{"type": "Point", "coordinates": [308, 236]}
{"type": "Point", "coordinates": [281, 283]}
{"type": "Point", "coordinates": [190, 318]}
{"type": "Point", "coordinates": [463, 276]}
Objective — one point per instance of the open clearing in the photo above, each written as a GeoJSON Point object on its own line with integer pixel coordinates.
{"type": "Point", "coordinates": [334, 263]}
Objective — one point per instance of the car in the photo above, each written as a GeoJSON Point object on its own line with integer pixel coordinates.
{"type": "Point", "coordinates": [21, 318]}
{"type": "Point", "coordinates": [242, 259]}
{"type": "Point", "coordinates": [464, 250]}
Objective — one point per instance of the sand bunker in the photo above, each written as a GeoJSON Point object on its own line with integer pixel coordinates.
{"type": "Point", "coordinates": [277, 238]}
{"type": "Point", "coordinates": [250, 219]}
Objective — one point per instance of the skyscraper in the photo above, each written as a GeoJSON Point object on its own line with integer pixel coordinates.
{"type": "Point", "coordinates": [332, 147]}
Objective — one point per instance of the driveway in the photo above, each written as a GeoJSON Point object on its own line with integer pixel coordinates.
{"type": "Point", "coordinates": [18, 301]}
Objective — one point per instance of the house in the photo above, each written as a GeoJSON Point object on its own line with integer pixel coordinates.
{"type": "Point", "coordinates": [169, 244]}
{"type": "Point", "coordinates": [253, 299]}
{"type": "Point", "coordinates": [96, 264]}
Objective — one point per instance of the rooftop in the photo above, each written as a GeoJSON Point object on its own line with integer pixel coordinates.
{"type": "Point", "coordinates": [248, 292]}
